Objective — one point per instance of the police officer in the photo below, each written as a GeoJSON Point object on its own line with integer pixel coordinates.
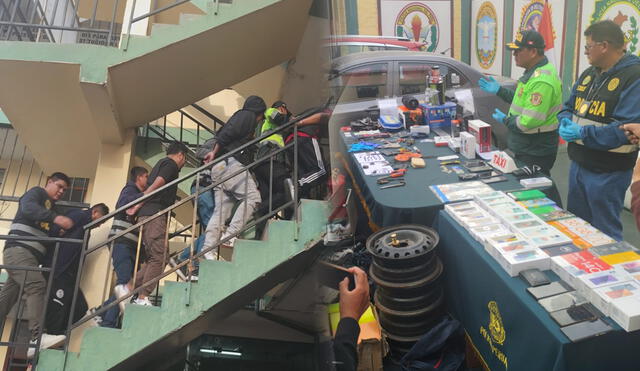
{"type": "Point", "coordinates": [35, 216]}
{"type": "Point", "coordinates": [605, 96]}
{"type": "Point", "coordinates": [531, 120]}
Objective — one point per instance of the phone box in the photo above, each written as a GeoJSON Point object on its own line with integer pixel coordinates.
{"type": "Point", "coordinates": [467, 145]}
{"type": "Point", "coordinates": [570, 267]}
{"type": "Point", "coordinates": [626, 312]}
{"type": "Point", "coordinates": [482, 132]}
{"type": "Point", "coordinates": [518, 261]}
{"type": "Point", "coordinates": [609, 297]}
{"type": "Point", "coordinates": [588, 283]}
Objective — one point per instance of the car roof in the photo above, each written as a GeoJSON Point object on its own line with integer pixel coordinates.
{"type": "Point", "coordinates": [390, 55]}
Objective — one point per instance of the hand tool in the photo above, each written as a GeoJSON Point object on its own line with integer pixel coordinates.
{"type": "Point", "coordinates": [393, 185]}
{"type": "Point", "coordinates": [394, 174]}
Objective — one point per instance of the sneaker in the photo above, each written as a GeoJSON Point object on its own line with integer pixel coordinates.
{"type": "Point", "coordinates": [95, 321]}
{"type": "Point", "coordinates": [173, 264]}
{"type": "Point", "coordinates": [144, 302]}
{"type": "Point", "coordinates": [47, 341]}
{"type": "Point", "coordinates": [121, 291]}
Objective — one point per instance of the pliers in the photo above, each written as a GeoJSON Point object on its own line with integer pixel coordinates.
{"type": "Point", "coordinates": [393, 175]}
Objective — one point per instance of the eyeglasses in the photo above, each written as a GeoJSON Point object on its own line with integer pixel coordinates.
{"type": "Point", "coordinates": [588, 47]}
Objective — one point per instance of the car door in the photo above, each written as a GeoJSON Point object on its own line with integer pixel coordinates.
{"type": "Point", "coordinates": [357, 88]}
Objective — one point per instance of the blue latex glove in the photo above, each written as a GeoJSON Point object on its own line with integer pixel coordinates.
{"type": "Point", "coordinates": [489, 85]}
{"type": "Point", "coordinates": [499, 116]}
{"type": "Point", "coordinates": [569, 130]}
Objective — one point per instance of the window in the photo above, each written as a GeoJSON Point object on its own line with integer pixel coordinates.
{"type": "Point", "coordinates": [361, 83]}
{"type": "Point", "coordinates": [77, 190]}
{"type": "Point", "coordinates": [413, 77]}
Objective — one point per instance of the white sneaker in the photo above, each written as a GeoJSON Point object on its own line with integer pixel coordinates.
{"type": "Point", "coordinates": [47, 341]}
{"type": "Point", "coordinates": [121, 291]}
{"type": "Point", "coordinates": [95, 321]}
{"type": "Point", "coordinates": [144, 302]}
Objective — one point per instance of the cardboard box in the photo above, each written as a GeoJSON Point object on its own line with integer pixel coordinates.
{"type": "Point", "coordinates": [626, 312]}
{"type": "Point", "coordinates": [518, 261]}
{"type": "Point", "coordinates": [467, 145]}
{"type": "Point", "coordinates": [482, 132]}
{"type": "Point", "coordinates": [607, 298]}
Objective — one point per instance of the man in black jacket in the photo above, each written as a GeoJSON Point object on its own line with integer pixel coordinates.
{"type": "Point", "coordinates": [66, 270]}
{"type": "Point", "coordinates": [34, 218]}
{"type": "Point", "coordinates": [235, 133]}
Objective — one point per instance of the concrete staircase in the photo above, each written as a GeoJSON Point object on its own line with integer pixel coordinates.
{"type": "Point", "coordinates": [98, 93]}
{"type": "Point", "coordinates": [149, 334]}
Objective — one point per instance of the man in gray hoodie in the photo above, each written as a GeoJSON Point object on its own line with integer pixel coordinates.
{"type": "Point", "coordinates": [235, 133]}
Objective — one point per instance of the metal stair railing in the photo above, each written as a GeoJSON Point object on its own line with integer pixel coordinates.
{"type": "Point", "coordinates": [14, 344]}
{"type": "Point", "coordinates": [193, 257]}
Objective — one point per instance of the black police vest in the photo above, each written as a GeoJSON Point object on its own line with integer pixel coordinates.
{"type": "Point", "coordinates": [596, 100]}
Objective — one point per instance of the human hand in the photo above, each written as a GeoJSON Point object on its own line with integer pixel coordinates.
{"type": "Point", "coordinates": [489, 85]}
{"type": "Point", "coordinates": [636, 172]}
{"type": "Point", "coordinates": [632, 131]}
{"type": "Point", "coordinates": [569, 130]}
{"type": "Point", "coordinates": [355, 302]}
{"type": "Point", "coordinates": [63, 221]}
{"type": "Point", "coordinates": [208, 157]}
{"type": "Point", "coordinates": [499, 116]}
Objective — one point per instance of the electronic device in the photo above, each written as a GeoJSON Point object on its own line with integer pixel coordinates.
{"type": "Point", "coordinates": [468, 176]}
{"type": "Point", "coordinates": [476, 166]}
{"type": "Point", "coordinates": [585, 330]}
{"type": "Point", "coordinates": [562, 301]}
{"type": "Point", "coordinates": [544, 291]}
{"type": "Point", "coordinates": [331, 275]}
{"type": "Point", "coordinates": [574, 314]}
{"type": "Point", "coordinates": [534, 277]}
{"type": "Point", "coordinates": [494, 179]}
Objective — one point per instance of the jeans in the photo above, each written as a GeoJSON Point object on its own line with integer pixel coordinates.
{"type": "Point", "coordinates": [206, 205]}
{"type": "Point", "coordinates": [124, 257]}
{"type": "Point", "coordinates": [241, 187]}
{"type": "Point", "coordinates": [598, 197]}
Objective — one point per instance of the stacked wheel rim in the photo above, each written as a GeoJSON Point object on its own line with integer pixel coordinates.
{"type": "Point", "coordinates": [407, 272]}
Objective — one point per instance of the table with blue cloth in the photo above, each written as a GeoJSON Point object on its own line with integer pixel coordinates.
{"type": "Point", "coordinates": [508, 327]}
{"type": "Point", "coordinates": [414, 202]}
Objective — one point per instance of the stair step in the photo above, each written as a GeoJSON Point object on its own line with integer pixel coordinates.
{"type": "Point", "coordinates": [160, 26]}
{"type": "Point", "coordinates": [189, 17]}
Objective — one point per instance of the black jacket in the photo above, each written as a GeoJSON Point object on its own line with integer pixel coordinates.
{"type": "Point", "coordinates": [345, 345]}
{"type": "Point", "coordinates": [240, 129]}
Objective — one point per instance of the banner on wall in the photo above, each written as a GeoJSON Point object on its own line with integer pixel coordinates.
{"type": "Point", "coordinates": [625, 13]}
{"type": "Point", "coordinates": [528, 15]}
{"type": "Point", "coordinates": [486, 35]}
{"type": "Point", "coordinates": [425, 21]}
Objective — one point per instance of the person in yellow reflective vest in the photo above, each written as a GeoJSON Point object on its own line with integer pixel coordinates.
{"type": "Point", "coordinates": [531, 120]}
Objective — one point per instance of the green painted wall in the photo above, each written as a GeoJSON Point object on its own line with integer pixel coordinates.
{"type": "Point", "coordinates": [351, 10]}
{"type": "Point", "coordinates": [569, 56]}
{"type": "Point", "coordinates": [465, 16]}
{"type": "Point", "coordinates": [508, 36]}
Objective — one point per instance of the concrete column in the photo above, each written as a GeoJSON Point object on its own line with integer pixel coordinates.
{"type": "Point", "coordinates": [110, 176]}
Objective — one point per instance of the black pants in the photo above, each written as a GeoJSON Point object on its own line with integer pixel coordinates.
{"type": "Point", "coordinates": [311, 171]}
{"type": "Point", "coordinates": [59, 306]}
{"type": "Point", "coordinates": [545, 163]}
{"type": "Point", "coordinates": [271, 184]}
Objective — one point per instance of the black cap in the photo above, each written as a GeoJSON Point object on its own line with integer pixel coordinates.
{"type": "Point", "coordinates": [529, 39]}
{"type": "Point", "coordinates": [278, 104]}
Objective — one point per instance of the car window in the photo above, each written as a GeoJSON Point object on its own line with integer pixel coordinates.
{"type": "Point", "coordinates": [413, 76]}
{"type": "Point", "coordinates": [361, 83]}
{"type": "Point", "coordinates": [456, 80]}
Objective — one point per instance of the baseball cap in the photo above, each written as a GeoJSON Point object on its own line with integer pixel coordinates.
{"type": "Point", "coordinates": [528, 38]}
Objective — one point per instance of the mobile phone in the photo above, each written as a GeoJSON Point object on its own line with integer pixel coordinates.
{"type": "Point", "coordinates": [467, 176]}
{"type": "Point", "coordinates": [585, 330]}
{"type": "Point", "coordinates": [331, 275]}
{"type": "Point", "coordinates": [494, 179]}
{"type": "Point", "coordinates": [574, 314]}
{"type": "Point", "coordinates": [534, 277]}
{"type": "Point", "coordinates": [562, 301]}
{"type": "Point", "coordinates": [554, 288]}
